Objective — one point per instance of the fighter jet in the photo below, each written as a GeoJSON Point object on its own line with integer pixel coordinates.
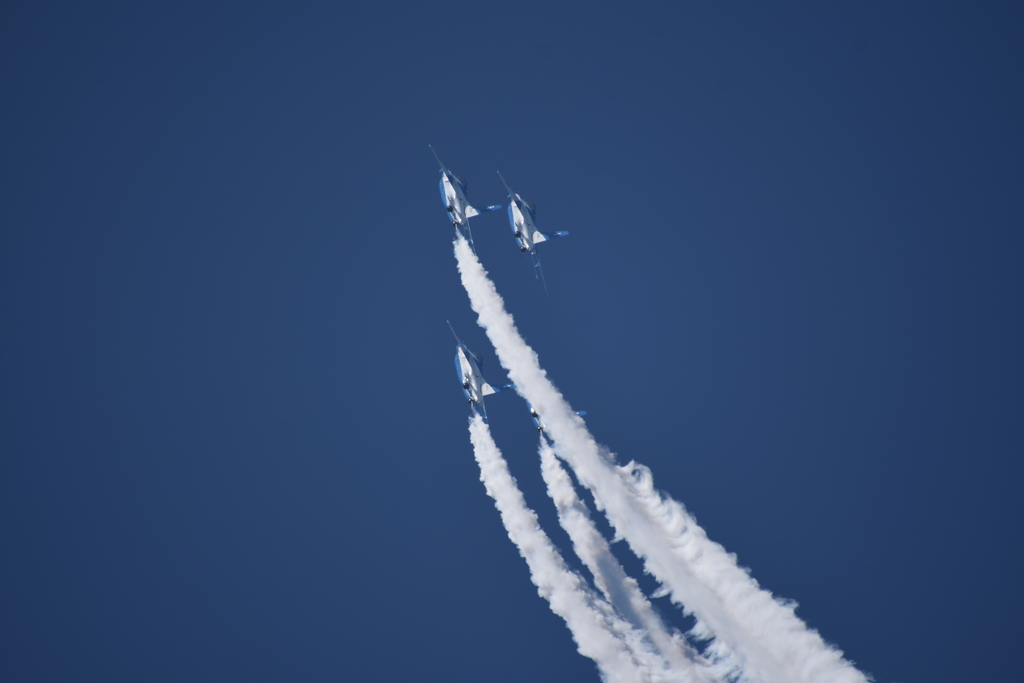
{"type": "Point", "coordinates": [467, 365]}
{"type": "Point", "coordinates": [522, 216]}
{"type": "Point", "coordinates": [453, 194]}
{"type": "Point", "coordinates": [535, 416]}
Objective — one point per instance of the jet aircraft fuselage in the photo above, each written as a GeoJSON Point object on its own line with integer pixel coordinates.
{"type": "Point", "coordinates": [535, 416]}
{"type": "Point", "coordinates": [522, 216]}
{"type": "Point", "coordinates": [453, 194]}
{"type": "Point", "coordinates": [468, 366]}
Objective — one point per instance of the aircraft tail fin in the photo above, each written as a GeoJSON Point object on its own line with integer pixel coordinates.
{"type": "Point", "coordinates": [544, 282]}
{"type": "Point", "coordinates": [560, 233]}
{"type": "Point", "coordinates": [539, 271]}
{"type": "Point", "coordinates": [465, 233]}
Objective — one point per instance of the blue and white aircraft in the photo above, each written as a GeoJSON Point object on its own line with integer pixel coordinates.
{"type": "Point", "coordinates": [453, 194]}
{"type": "Point", "coordinates": [535, 416]}
{"type": "Point", "coordinates": [467, 365]}
{"type": "Point", "coordinates": [522, 216]}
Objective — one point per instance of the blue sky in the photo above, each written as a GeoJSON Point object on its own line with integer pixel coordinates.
{"type": "Point", "coordinates": [231, 440]}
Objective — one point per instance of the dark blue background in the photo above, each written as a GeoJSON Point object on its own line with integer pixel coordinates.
{"type": "Point", "coordinates": [233, 447]}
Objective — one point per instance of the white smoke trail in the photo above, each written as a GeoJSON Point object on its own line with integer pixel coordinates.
{"type": "Point", "coordinates": [770, 642]}
{"type": "Point", "coordinates": [619, 651]}
{"type": "Point", "coordinates": [620, 589]}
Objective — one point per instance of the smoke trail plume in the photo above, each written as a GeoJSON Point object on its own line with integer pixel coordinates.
{"type": "Point", "coordinates": [621, 590]}
{"type": "Point", "coordinates": [764, 635]}
{"type": "Point", "coordinates": [619, 651]}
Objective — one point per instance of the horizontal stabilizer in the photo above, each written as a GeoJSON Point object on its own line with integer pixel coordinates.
{"type": "Point", "coordinates": [561, 233]}
{"type": "Point", "coordinates": [493, 207]}
{"type": "Point", "coordinates": [470, 211]}
{"type": "Point", "coordinates": [487, 389]}
{"type": "Point", "coordinates": [539, 237]}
